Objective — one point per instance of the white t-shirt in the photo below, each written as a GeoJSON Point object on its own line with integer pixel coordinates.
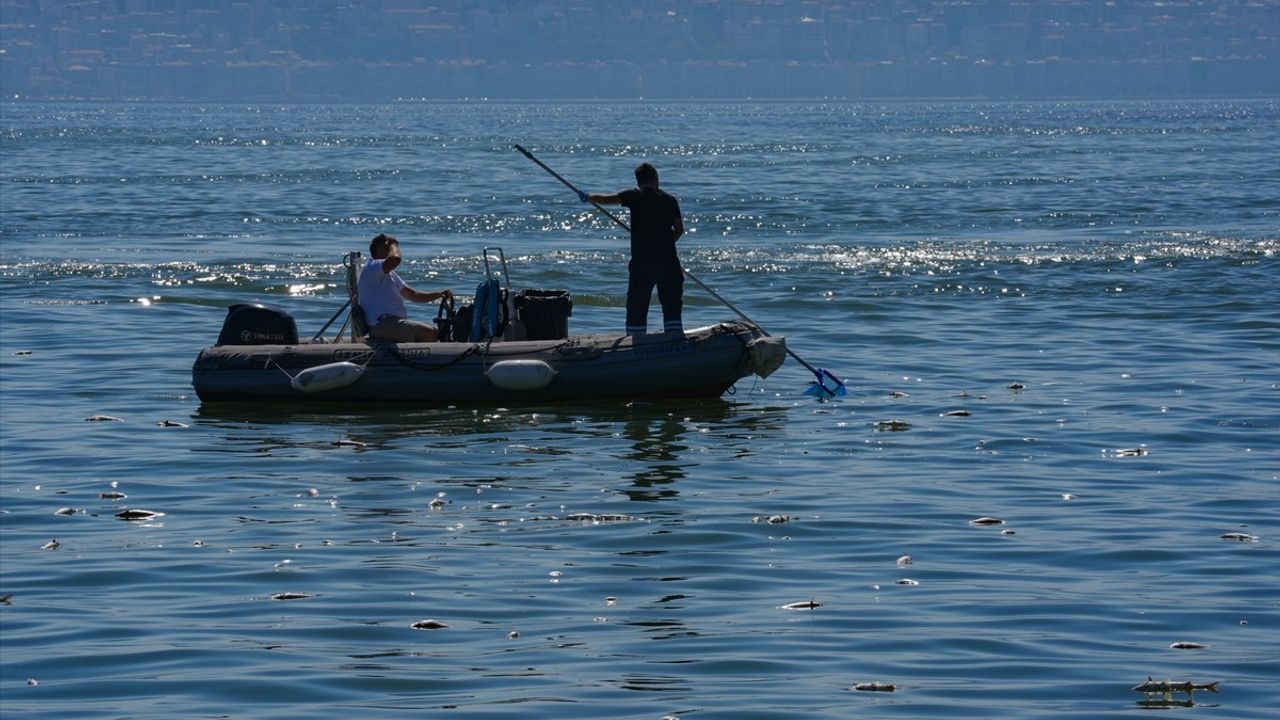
{"type": "Point", "coordinates": [379, 292]}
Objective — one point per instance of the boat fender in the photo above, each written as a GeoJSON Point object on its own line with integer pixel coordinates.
{"type": "Point", "coordinates": [520, 374]}
{"type": "Point", "coordinates": [767, 355]}
{"type": "Point", "coordinates": [327, 377]}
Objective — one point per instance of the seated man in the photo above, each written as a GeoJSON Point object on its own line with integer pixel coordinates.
{"type": "Point", "coordinates": [382, 294]}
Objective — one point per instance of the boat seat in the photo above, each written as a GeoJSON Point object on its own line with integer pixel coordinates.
{"type": "Point", "coordinates": [359, 322]}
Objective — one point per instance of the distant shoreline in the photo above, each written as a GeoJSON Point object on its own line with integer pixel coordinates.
{"type": "Point", "coordinates": [359, 82]}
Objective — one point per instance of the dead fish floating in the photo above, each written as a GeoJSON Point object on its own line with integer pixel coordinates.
{"type": "Point", "coordinates": [1151, 686]}
{"type": "Point", "coordinates": [171, 424]}
{"type": "Point", "coordinates": [65, 511]}
{"type": "Point", "coordinates": [291, 596]}
{"type": "Point", "coordinates": [874, 687]}
{"type": "Point", "coordinates": [138, 515]}
{"type": "Point", "coordinates": [893, 426]}
{"type": "Point", "coordinates": [593, 518]}
{"type": "Point", "coordinates": [1187, 645]}
{"type": "Point", "coordinates": [349, 443]}
{"type": "Point", "coordinates": [905, 560]}
{"type": "Point", "coordinates": [1016, 386]}
{"type": "Point", "coordinates": [957, 413]}
{"type": "Point", "coordinates": [906, 581]}
{"type": "Point", "coordinates": [1239, 537]}
{"type": "Point", "coordinates": [103, 418]}
{"type": "Point", "coordinates": [51, 545]}
{"type": "Point", "coordinates": [802, 605]}
{"type": "Point", "coordinates": [112, 495]}
{"type": "Point", "coordinates": [1129, 452]}
{"type": "Point", "coordinates": [771, 519]}
{"type": "Point", "coordinates": [986, 521]}
{"type": "Point", "coordinates": [429, 625]}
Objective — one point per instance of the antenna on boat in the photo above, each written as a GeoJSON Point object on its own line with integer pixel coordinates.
{"type": "Point", "coordinates": [819, 385]}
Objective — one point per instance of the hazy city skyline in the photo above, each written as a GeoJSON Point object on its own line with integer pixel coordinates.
{"type": "Point", "coordinates": [379, 50]}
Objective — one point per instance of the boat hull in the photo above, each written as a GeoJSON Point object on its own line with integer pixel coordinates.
{"type": "Point", "coordinates": [699, 363]}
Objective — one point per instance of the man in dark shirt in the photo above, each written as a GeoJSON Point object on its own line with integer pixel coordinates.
{"type": "Point", "coordinates": [656, 225]}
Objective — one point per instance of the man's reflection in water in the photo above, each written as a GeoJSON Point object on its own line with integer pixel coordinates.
{"type": "Point", "coordinates": [657, 448]}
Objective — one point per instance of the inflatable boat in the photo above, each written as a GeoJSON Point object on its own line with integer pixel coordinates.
{"type": "Point", "coordinates": [503, 349]}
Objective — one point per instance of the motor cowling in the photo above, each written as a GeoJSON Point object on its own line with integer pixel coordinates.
{"type": "Point", "coordinates": [255, 324]}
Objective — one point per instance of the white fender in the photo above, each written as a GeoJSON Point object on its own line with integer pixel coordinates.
{"type": "Point", "coordinates": [520, 374]}
{"type": "Point", "coordinates": [327, 377]}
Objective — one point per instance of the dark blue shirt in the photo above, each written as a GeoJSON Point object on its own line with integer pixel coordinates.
{"type": "Point", "coordinates": [653, 218]}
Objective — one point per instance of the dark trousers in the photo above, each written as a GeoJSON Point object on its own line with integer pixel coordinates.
{"type": "Point", "coordinates": [669, 279]}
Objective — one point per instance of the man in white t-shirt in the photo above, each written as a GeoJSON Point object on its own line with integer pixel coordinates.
{"type": "Point", "coordinates": [382, 294]}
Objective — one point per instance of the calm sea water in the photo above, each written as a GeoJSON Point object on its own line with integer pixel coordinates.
{"type": "Point", "coordinates": [1060, 315]}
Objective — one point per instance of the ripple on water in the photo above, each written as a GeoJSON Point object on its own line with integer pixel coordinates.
{"type": "Point", "coordinates": [1120, 334]}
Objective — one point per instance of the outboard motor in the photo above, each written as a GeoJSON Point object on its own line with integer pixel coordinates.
{"type": "Point", "coordinates": [255, 324]}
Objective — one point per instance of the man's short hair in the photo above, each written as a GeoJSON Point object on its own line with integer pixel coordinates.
{"type": "Point", "coordinates": [380, 240]}
{"type": "Point", "coordinates": [646, 173]}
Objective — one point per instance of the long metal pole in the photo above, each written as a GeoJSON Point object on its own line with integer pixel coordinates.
{"type": "Point", "coordinates": [818, 373]}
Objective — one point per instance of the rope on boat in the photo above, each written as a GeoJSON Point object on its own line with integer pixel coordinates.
{"type": "Point", "coordinates": [271, 361]}
{"type": "Point", "coordinates": [415, 365]}
{"type": "Point", "coordinates": [486, 352]}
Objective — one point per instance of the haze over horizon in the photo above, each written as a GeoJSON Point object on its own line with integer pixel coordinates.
{"type": "Point", "coordinates": [381, 50]}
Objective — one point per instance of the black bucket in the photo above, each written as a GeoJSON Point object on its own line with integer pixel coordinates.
{"type": "Point", "coordinates": [545, 313]}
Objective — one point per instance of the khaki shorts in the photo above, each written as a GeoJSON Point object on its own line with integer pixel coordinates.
{"type": "Point", "coordinates": [400, 330]}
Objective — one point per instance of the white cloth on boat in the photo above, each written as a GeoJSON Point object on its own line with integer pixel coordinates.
{"type": "Point", "coordinates": [379, 293]}
{"type": "Point", "coordinates": [767, 355]}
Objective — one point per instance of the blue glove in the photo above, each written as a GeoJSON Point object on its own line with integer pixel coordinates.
{"type": "Point", "coordinates": [583, 196]}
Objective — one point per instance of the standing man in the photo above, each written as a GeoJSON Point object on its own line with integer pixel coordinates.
{"type": "Point", "coordinates": [382, 293]}
{"type": "Point", "coordinates": [656, 225]}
